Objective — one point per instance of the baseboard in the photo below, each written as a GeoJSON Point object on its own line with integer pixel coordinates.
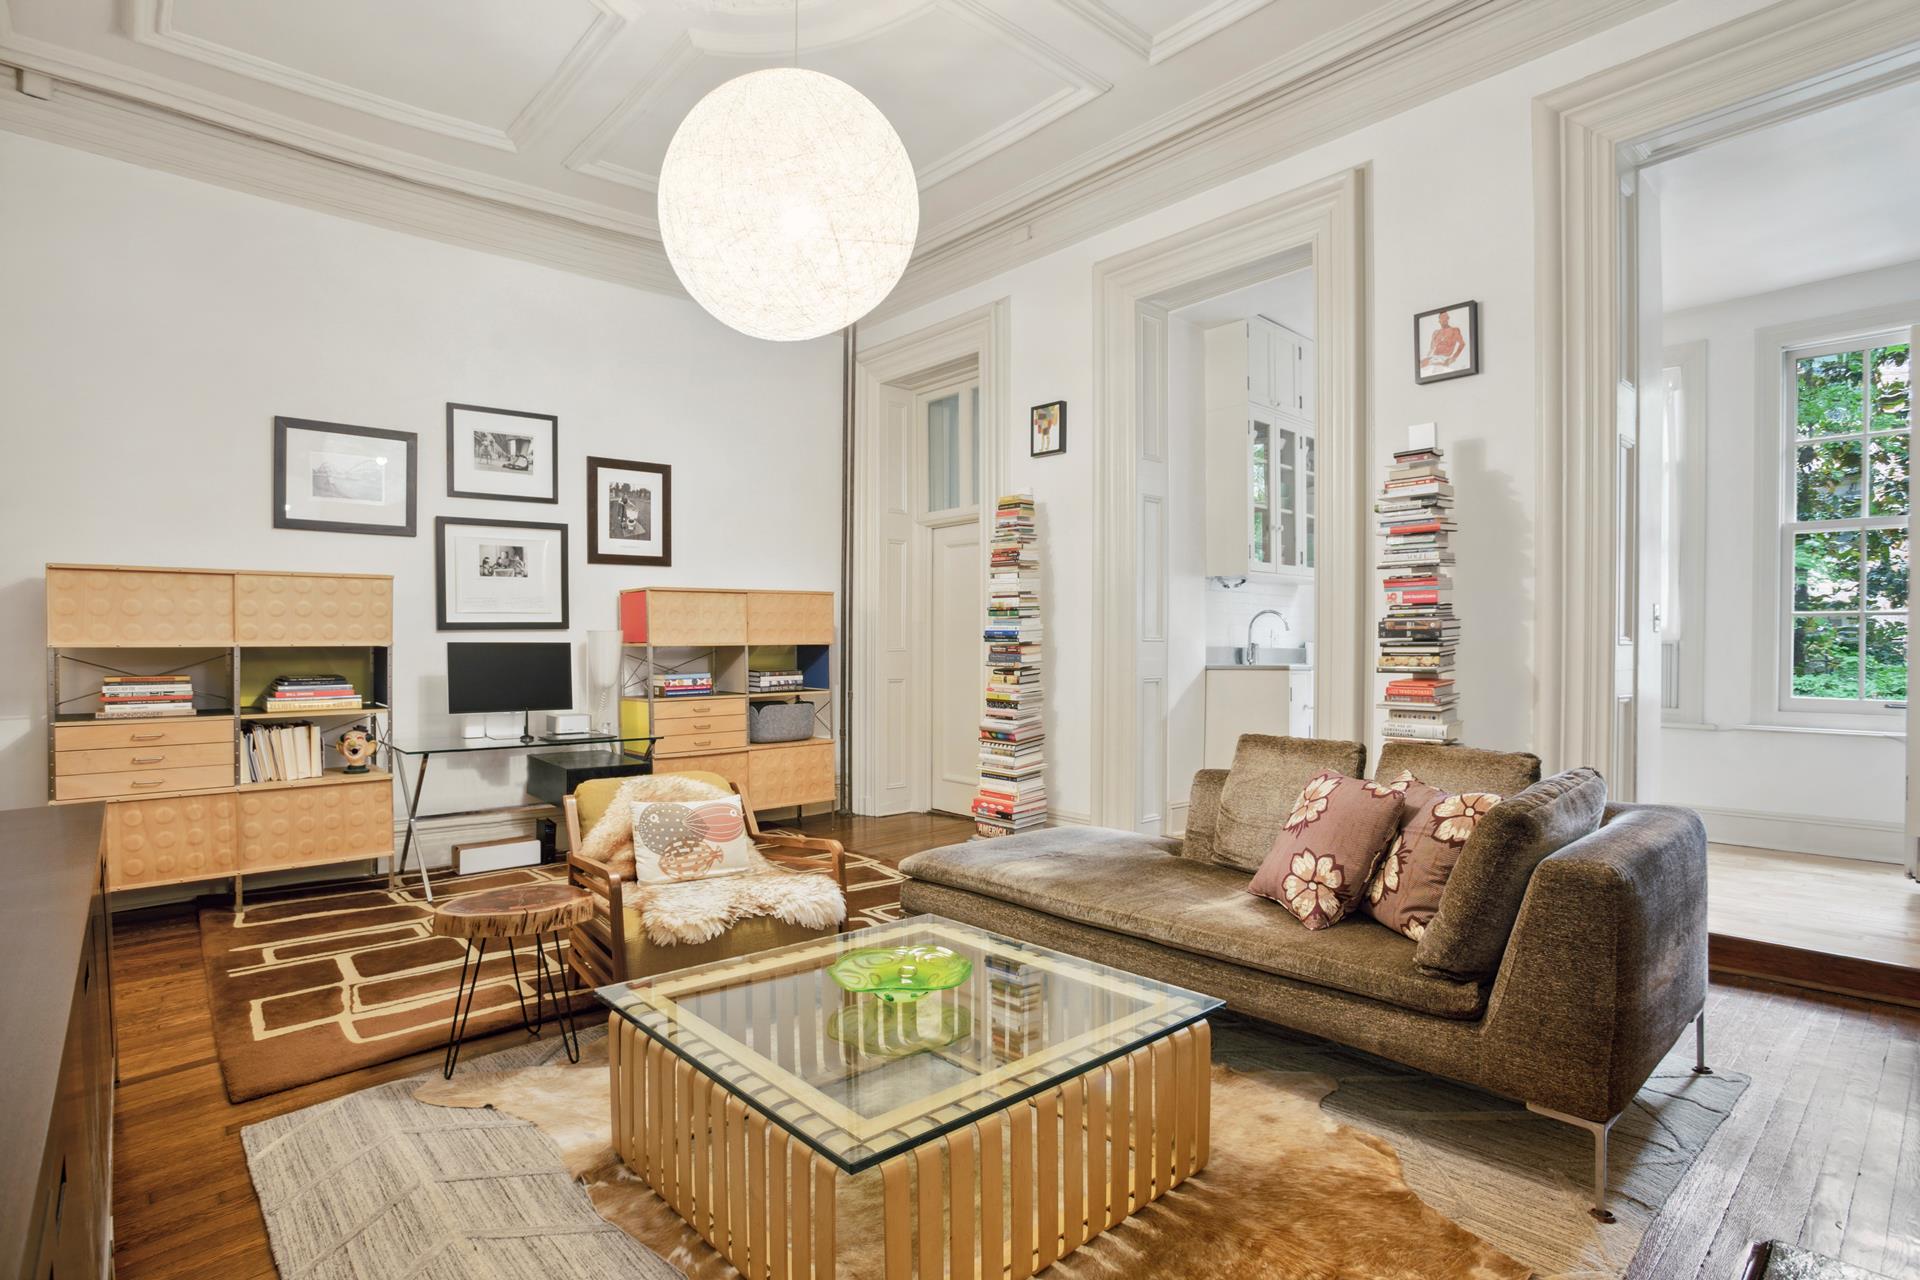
{"type": "Point", "coordinates": [1843, 975]}
{"type": "Point", "coordinates": [1067, 818]}
{"type": "Point", "coordinates": [1176, 823]}
{"type": "Point", "coordinates": [1806, 833]}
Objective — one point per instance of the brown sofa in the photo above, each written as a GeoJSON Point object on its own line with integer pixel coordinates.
{"type": "Point", "coordinates": [1586, 922]}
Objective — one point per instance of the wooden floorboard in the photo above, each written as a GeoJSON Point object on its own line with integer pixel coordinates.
{"type": "Point", "coordinates": [1823, 1150]}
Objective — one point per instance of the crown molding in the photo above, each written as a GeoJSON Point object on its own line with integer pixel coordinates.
{"type": "Point", "coordinates": [1409, 52]}
{"type": "Point", "coordinates": [1156, 47]}
{"type": "Point", "coordinates": [155, 138]}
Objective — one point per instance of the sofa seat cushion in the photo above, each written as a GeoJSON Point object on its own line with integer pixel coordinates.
{"type": "Point", "coordinates": [1136, 885]}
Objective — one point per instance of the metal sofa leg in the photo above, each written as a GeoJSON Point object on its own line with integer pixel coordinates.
{"type": "Point", "coordinates": [1700, 1067]}
{"type": "Point", "coordinates": [1600, 1134]}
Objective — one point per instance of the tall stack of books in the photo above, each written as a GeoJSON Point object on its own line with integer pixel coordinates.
{"type": "Point", "coordinates": [123, 697]}
{"type": "Point", "coordinates": [683, 684]}
{"type": "Point", "coordinates": [1419, 633]}
{"type": "Point", "coordinates": [1016, 1003]}
{"type": "Point", "coordinates": [310, 693]}
{"type": "Point", "coordinates": [1013, 788]}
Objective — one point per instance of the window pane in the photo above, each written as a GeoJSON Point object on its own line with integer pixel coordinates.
{"type": "Point", "coordinates": [1826, 571]}
{"type": "Point", "coordinates": [1827, 484]}
{"type": "Point", "coordinates": [1886, 657]}
{"type": "Point", "coordinates": [1890, 387]}
{"type": "Point", "coordinates": [943, 453]}
{"type": "Point", "coordinates": [1826, 657]}
{"type": "Point", "coordinates": [1888, 455]}
{"type": "Point", "coordinates": [1829, 394]}
{"type": "Point", "coordinates": [1886, 570]}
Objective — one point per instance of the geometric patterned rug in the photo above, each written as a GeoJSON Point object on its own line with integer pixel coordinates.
{"type": "Point", "coordinates": [305, 985]}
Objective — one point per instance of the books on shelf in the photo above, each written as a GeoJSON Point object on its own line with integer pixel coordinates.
{"type": "Point", "coordinates": [1013, 792]}
{"type": "Point", "coordinates": [135, 696]}
{"type": "Point", "coordinates": [1419, 633]}
{"type": "Point", "coordinates": [282, 752]}
{"type": "Point", "coordinates": [311, 693]}
{"type": "Point", "coordinates": [774, 681]}
{"type": "Point", "coordinates": [683, 684]}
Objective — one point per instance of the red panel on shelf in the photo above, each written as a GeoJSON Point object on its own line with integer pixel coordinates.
{"type": "Point", "coordinates": [633, 616]}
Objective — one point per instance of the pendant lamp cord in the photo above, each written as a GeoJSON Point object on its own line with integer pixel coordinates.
{"type": "Point", "coordinates": [796, 33]}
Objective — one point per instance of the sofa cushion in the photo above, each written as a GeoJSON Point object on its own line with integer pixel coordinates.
{"type": "Point", "coordinates": [1327, 850]}
{"type": "Point", "coordinates": [1135, 885]}
{"type": "Point", "coordinates": [1468, 935]}
{"type": "Point", "coordinates": [1266, 778]}
{"type": "Point", "coordinates": [1405, 891]}
{"type": "Point", "coordinates": [1458, 769]}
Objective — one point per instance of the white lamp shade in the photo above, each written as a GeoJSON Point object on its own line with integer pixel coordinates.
{"type": "Point", "coordinates": [788, 205]}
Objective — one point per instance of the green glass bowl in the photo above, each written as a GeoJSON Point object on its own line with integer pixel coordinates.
{"type": "Point", "coordinates": [900, 973]}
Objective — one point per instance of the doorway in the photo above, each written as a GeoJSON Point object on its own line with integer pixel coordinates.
{"type": "Point", "coordinates": [1762, 519]}
{"type": "Point", "coordinates": [948, 589]}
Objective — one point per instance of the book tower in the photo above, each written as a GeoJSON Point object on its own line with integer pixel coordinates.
{"type": "Point", "coordinates": [1013, 788]}
{"type": "Point", "coordinates": [1418, 630]}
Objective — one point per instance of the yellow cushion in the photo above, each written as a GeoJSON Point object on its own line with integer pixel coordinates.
{"type": "Point", "coordinates": [594, 795]}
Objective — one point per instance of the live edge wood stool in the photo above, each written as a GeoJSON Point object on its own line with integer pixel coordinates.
{"type": "Point", "coordinates": [542, 912]}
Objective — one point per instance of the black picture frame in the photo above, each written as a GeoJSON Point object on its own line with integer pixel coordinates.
{"type": "Point", "coordinates": [553, 453]}
{"type": "Point", "coordinates": [1472, 328]}
{"type": "Point", "coordinates": [281, 520]}
{"type": "Point", "coordinates": [1033, 429]}
{"type": "Point", "coordinates": [442, 524]}
{"type": "Point", "coordinates": [594, 522]}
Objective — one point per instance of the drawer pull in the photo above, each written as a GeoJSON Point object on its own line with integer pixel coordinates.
{"type": "Point", "coordinates": [148, 759]}
{"type": "Point", "coordinates": [705, 725]}
{"type": "Point", "coordinates": [703, 742]}
{"type": "Point", "coordinates": [147, 737]}
{"type": "Point", "coordinates": [151, 782]}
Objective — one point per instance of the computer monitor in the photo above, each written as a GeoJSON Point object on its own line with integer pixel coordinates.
{"type": "Point", "coordinates": [523, 676]}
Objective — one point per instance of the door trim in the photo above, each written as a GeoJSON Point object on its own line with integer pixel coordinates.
{"type": "Point", "coordinates": [1726, 80]}
{"type": "Point", "coordinates": [1326, 219]}
{"type": "Point", "coordinates": [983, 337]}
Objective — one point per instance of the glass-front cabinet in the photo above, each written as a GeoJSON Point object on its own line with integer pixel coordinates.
{"type": "Point", "coordinates": [1260, 451]}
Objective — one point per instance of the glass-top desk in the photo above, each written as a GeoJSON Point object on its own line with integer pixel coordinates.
{"type": "Point", "coordinates": [425, 746]}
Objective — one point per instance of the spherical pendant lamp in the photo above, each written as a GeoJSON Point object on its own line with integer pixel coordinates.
{"type": "Point", "coordinates": [787, 204]}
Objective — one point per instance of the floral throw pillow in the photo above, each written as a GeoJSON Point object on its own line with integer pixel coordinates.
{"type": "Point", "coordinates": [693, 840]}
{"type": "Point", "coordinates": [1404, 892]}
{"type": "Point", "coordinates": [1327, 850]}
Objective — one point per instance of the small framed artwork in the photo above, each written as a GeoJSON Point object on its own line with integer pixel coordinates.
{"type": "Point", "coordinates": [341, 479]}
{"type": "Point", "coordinates": [629, 512]}
{"type": "Point", "coordinates": [505, 454]}
{"type": "Point", "coordinates": [1446, 342]}
{"type": "Point", "coordinates": [1047, 429]}
{"type": "Point", "coordinates": [500, 575]}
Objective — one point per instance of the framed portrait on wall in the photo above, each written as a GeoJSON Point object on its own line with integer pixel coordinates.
{"type": "Point", "coordinates": [1446, 342]}
{"type": "Point", "coordinates": [1047, 429]}
{"type": "Point", "coordinates": [629, 512]}
{"type": "Point", "coordinates": [500, 575]}
{"type": "Point", "coordinates": [340, 479]}
{"type": "Point", "coordinates": [506, 454]}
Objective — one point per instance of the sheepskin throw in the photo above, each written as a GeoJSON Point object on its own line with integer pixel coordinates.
{"type": "Point", "coordinates": [700, 910]}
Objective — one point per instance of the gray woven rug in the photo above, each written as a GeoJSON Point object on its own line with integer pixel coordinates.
{"type": "Point", "coordinates": [376, 1186]}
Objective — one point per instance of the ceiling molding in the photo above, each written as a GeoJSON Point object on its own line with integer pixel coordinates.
{"type": "Point", "coordinates": [1412, 52]}
{"type": "Point", "coordinates": [151, 23]}
{"type": "Point", "coordinates": [136, 85]}
{"type": "Point", "coordinates": [777, 39]}
{"type": "Point", "coordinates": [1157, 47]}
{"type": "Point", "coordinates": [109, 125]}
{"type": "Point", "coordinates": [1079, 86]}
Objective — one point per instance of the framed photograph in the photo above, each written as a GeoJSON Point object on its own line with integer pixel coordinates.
{"type": "Point", "coordinates": [504, 454]}
{"type": "Point", "coordinates": [1446, 342]}
{"type": "Point", "coordinates": [629, 512]}
{"type": "Point", "coordinates": [500, 575]}
{"type": "Point", "coordinates": [1047, 429]}
{"type": "Point", "coordinates": [341, 479]}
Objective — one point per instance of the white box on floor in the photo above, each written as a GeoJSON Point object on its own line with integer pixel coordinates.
{"type": "Point", "coordinates": [496, 855]}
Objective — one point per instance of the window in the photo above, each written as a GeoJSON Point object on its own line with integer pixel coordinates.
{"type": "Point", "coordinates": [1844, 541]}
{"type": "Point", "coordinates": [951, 447]}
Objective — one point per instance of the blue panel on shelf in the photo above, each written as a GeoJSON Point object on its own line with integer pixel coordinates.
{"type": "Point", "coordinates": [814, 665]}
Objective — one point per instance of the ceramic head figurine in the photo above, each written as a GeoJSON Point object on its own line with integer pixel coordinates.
{"type": "Point", "coordinates": [357, 748]}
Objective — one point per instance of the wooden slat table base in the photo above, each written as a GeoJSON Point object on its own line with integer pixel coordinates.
{"type": "Point", "coordinates": [1083, 1156]}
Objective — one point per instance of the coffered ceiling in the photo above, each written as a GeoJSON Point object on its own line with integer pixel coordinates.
{"type": "Point", "coordinates": [563, 108]}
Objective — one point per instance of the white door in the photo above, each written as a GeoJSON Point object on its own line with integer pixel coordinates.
{"type": "Point", "coordinates": [1913, 705]}
{"type": "Point", "coordinates": [951, 593]}
{"type": "Point", "coordinates": [1641, 557]}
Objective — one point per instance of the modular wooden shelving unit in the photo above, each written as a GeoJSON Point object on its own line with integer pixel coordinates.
{"type": "Point", "coordinates": [729, 633]}
{"type": "Point", "coordinates": [177, 811]}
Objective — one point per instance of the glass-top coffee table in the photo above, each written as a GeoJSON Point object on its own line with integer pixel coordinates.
{"type": "Point", "coordinates": [1059, 1095]}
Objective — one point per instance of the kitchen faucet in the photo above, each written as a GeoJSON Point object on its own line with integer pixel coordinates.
{"type": "Point", "coordinates": [1252, 651]}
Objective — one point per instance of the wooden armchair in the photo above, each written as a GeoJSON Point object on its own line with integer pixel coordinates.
{"type": "Point", "coordinates": [614, 947]}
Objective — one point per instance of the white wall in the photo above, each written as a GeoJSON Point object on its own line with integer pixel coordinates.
{"type": "Point", "coordinates": [1450, 204]}
{"type": "Point", "coordinates": [151, 327]}
{"type": "Point", "coordinates": [1812, 790]}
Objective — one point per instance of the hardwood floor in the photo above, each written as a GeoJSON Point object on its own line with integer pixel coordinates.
{"type": "Point", "coordinates": [1824, 1149]}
